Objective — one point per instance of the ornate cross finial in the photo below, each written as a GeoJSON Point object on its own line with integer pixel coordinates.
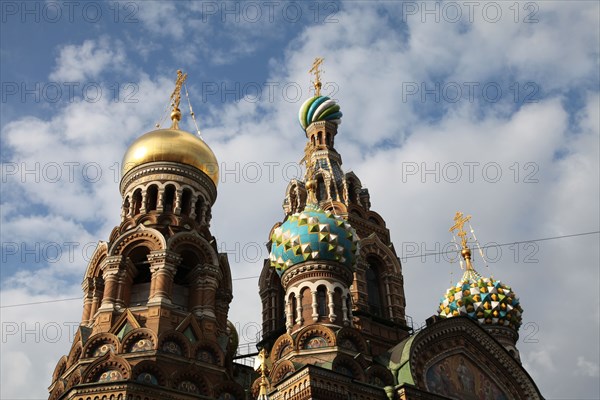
{"type": "Point", "coordinates": [459, 222]}
{"type": "Point", "coordinates": [260, 365]}
{"type": "Point", "coordinates": [316, 70]}
{"type": "Point", "coordinates": [176, 98]}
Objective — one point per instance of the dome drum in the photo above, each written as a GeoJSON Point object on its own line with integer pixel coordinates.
{"type": "Point", "coordinates": [166, 172]}
{"type": "Point", "coordinates": [315, 270]}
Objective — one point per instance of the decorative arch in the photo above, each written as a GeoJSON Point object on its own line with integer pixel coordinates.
{"type": "Point", "coordinates": [191, 381]}
{"type": "Point", "coordinates": [208, 352]}
{"type": "Point", "coordinates": [356, 210]}
{"type": "Point", "coordinates": [103, 369]}
{"type": "Point", "coordinates": [313, 286]}
{"type": "Point", "coordinates": [281, 370]}
{"type": "Point", "coordinates": [337, 207]}
{"type": "Point", "coordinates": [282, 346]}
{"type": "Point", "coordinates": [100, 345]}
{"type": "Point", "coordinates": [139, 340]}
{"type": "Point", "coordinates": [347, 366]}
{"type": "Point", "coordinates": [181, 347]}
{"type": "Point", "coordinates": [60, 368]}
{"type": "Point", "coordinates": [295, 196]}
{"type": "Point", "coordinates": [354, 187]}
{"type": "Point", "coordinates": [144, 371]}
{"type": "Point", "coordinates": [75, 353]}
{"type": "Point", "coordinates": [307, 336]}
{"type": "Point", "coordinates": [351, 339]}
{"type": "Point", "coordinates": [57, 391]}
{"type": "Point", "coordinates": [74, 379]}
{"type": "Point", "coordinates": [373, 246]}
{"type": "Point", "coordinates": [225, 285]}
{"type": "Point", "coordinates": [379, 376]}
{"type": "Point", "coordinates": [93, 267]}
{"type": "Point", "coordinates": [149, 237]}
{"type": "Point", "coordinates": [194, 240]}
{"type": "Point", "coordinates": [375, 218]}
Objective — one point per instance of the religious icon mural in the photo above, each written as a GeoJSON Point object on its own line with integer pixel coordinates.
{"type": "Point", "coordinates": [459, 378]}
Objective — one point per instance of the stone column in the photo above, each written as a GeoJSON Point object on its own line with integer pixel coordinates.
{"type": "Point", "coordinates": [87, 287]}
{"type": "Point", "coordinates": [331, 305]}
{"type": "Point", "coordinates": [110, 267]}
{"type": "Point", "coordinates": [193, 207]}
{"type": "Point", "coordinates": [205, 284]}
{"type": "Point", "coordinates": [144, 200]}
{"type": "Point", "coordinates": [177, 202]}
{"type": "Point", "coordinates": [163, 265]}
{"type": "Point", "coordinates": [299, 318]}
{"type": "Point", "coordinates": [125, 283]}
{"type": "Point", "coordinates": [315, 306]}
{"type": "Point", "coordinates": [345, 315]}
{"type": "Point", "coordinates": [159, 201]}
{"type": "Point", "coordinates": [289, 314]}
{"type": "Point", "coordinates": [97, 296]}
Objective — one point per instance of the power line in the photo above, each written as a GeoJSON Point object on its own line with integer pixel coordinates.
{"type": "Point", "coordinates": [506, 244]}
{"type": "Point", "coordinates": [411, 256]}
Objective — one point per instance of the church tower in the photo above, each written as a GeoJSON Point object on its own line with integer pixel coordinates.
{"type": "Point", "coordinates": [157, 294]}
{"type": "Point", "coordinates": [332, 291]}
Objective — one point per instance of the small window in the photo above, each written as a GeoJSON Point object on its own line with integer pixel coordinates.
{"type": "Point", "coordinates": [374, 289]}
{"type": "Point", "coordinates": [322, 301]}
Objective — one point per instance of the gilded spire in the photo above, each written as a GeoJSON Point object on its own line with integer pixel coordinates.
{"type": "Point", "coordinates": [309, 178]}
{"type": "Point", "coordinates": [459, 222]}
{"type": "Point", "coordinates": [176, 99]}
{"type": "Point", "coordinates": [316, 70]}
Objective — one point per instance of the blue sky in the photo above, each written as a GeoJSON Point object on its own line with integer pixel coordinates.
{"type": "Point", "coordinates": [490, 108]}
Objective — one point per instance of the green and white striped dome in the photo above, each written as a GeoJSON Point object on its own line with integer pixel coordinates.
{"type": "Point", "coordinates": [319, 108]}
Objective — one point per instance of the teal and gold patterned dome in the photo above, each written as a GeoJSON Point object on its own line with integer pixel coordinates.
{"type": "Point", "coordinates": [319, 108]}
{"type": "Point", "coordinates": [485, 300]}
{"type": "Point", "coordinates": [313, 234]}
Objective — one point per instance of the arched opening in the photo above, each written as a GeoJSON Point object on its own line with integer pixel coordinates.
{"type": "Point", "coordinates": [169, 198]}
{"type": "Point", "coordinates": [332, 190]}
{"type": "Point", "coordinates": [151, 198]}
{"type": "Point", "coordinates": [186, 201]}
{"type": "Point", "coordinates": [198, 209]}
{"type": "Point", "coordinates": [374, 288]}
{"type": "Point", "coordinates": [137, 201]}
{"type": "Point", "coordinates": [322, 301]}
{"type": "Point", "coordinates": [320, 136]}
{"type": "Point", "coordinates": [126, 206]}
{"type": "Point", "coordinates": [351, 193]}
{"type": "Point", "coordinates": [338, 301]}
{"type": "Point", "coordinates": [294, 306]}
{"type": "Point", "coordinates": [140, 289]}
{"type": "Point", "coordinates": [321, 189]}
{"type": "Point", "coordinates": [182, 281]}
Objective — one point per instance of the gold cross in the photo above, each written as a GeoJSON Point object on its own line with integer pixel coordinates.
{"type": "Point", "coordinates": [459, 222]}
{"type": "Point", "coordinates": [316, 70]}
{"type": "Point", "coordinates": [176, 96]}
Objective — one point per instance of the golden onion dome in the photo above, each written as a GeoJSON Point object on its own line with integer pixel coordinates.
{"type": "Point", "coordinates": [172, 145]}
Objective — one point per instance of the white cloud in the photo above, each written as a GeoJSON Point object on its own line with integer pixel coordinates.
{"type": "Point", "coordinates": [87, 61]}
{"type": "Point", "coordinates": [586, 367]}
